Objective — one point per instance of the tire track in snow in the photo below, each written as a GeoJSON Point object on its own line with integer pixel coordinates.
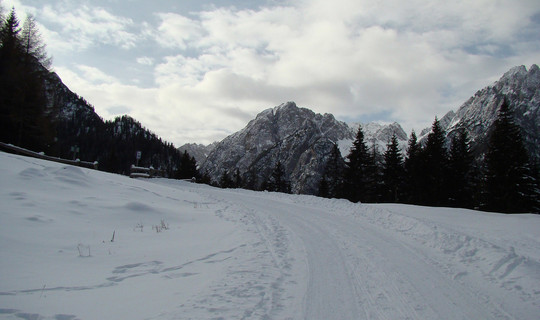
{"type": "Point", "coordinates": [359, 271]}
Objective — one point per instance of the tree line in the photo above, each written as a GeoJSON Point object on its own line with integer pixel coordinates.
{"type": "Point", "coordinates": [39, 113]}
{"type": "Point", "coordinates": [24, 64]}
{"type": "Point", "coordinates": [439, 174]}
{"type": "Point", "coordinates": [276, 181]}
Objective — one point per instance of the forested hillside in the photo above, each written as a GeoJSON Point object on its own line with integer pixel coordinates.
{"type": "Point", "coordinates": [38, 112]}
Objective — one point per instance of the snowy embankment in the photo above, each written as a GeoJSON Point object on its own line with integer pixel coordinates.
{"type": "Point", "coordinates": [187, 251]}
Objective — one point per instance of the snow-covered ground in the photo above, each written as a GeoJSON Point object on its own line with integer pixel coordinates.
{"type": "Point", "coordinates": [187, 251]}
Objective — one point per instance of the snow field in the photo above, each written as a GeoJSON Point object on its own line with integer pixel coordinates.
{"type": "Point", "coordinates": [236, 254]}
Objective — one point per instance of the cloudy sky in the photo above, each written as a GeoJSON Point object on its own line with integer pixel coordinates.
{"type": "Point", "coordinates": [198, 70]}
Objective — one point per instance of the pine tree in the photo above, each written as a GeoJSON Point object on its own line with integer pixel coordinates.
{"type": "Point", "coordinates": [33, 46]}
{"type": "Point", "coordinates": [393, 171]}
{"type": "Point", "coordinates": [225, 181]}
{"type": "Point", "coordinates": [374, 176]}
{"type": "Point", "coordinates": [461, 178]}
{"type": "Point", "coordinates": [237, 179]}
{"type": "Point", "coordinates": [23, 101]}
{"type": "Point", "coordinates": [331, 185]}
{"type": "Point", "coordinates": [252, 180]}
{"type": "Point", "coordinates": [358, 182]}
{"type": "Point", "coordinates": [413, 169]}
{"type": "Point", "coordinates": [435, 160]}
{"type": "Point", "coordinates": [10, 71]}
{"type": "Point", "coordinates": [188, 167]}
{"type": "Point", "coordinates": [323, 188]}
{"type": "Point", "coordinates": [277, 181]}
{"type": "Point", "coordinates": [510, 185]}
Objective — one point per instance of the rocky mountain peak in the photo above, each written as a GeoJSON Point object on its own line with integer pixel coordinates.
{"type": "Point", "coordinates": [521, 87]}
{"type": "Point", "coordinates": [298, 138]}
{"type": "Point", "coordinates": [301, 140]}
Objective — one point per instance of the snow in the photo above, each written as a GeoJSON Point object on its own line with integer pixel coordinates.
{"type": "Point", "coordinates": [236, 254]}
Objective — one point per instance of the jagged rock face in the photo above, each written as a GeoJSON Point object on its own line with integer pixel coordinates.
{"type": "Point", "coordinates": [198, 151]}
{"type": "Point", "coordinates": [477, 115]}
{"type": "Point", "coordinates": [377, 135]}
{"type": "Point", "coordinates": [297, 137]}
{"type": "Point", "coordinates": [302, 140]}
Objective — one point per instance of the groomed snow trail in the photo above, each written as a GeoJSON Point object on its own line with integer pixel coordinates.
{"type": "Point", "coordinates": [356, 266]}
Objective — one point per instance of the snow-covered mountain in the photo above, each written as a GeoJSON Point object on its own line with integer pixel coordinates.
{"type": "Point", "coordinates": [297, 137]}
{"type": "Point", "coordinates": [198, 151]}
{"type": "Point", "coordinates": [375, 135]}
{"type": "Point", "coordinates": [301, 139]}
{"type": "Point", "coordinates": [522, 89]}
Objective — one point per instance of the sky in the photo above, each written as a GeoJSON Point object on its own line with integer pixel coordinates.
{"type": "Point", "coordinates": [195, 71]}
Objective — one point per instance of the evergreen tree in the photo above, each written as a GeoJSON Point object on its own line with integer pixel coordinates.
{"type": "Point", "coordinates": [435, 156]}
{"type": "Point", "coordinates": [510, 186]}
{"type": "Point", "coordinates": [23, 101]}
{"type": "Point", "coordinates": [33, 46]}
{"type": "Point", "coordinates": [461, 178]}
{"type": "Point", "coordinates": [393, 171]}
{"type": "Point", "coordinates": [237, 179]}
{"type": "Point", "coordinates": [413, 169]}
{"type": "Point", "coordinates": [323, 188]}
{"type": "Point", "coordinates": [374, 176]}
{"type": "Point", "coordinates": [358, 182]}
{"type": "Point", "coordinates": [331, 185]}
{"type": "Point", "coordinates": [205, 178]}
{"type": "Point", "coordinates": [188, 167]}
{"type": "Point", "coordinates": [252, 180]}
{"type": "Point", "coordinates": [10, 82]}
{"type": "Point", "coordinates": [278, 181]}
{"type": "Point", "coordinates": [225, 181]}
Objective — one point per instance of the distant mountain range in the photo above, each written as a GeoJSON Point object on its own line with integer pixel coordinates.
{"type": "Point", "coordinates": [298, 138]}
{"type": "Point", "coordinates": [301, 139]}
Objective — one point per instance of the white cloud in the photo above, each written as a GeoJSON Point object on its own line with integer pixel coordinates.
{"type": "Point", "coordinates": [216, 69]}
{"type": "Point", "coordinates": [84, 26]}
{"type": "Point", "coordinates": [147, 61]}
{"type": "Point", "coordinates": [94, 75]}
{"type": "Point", "coordinates": [176, 31]}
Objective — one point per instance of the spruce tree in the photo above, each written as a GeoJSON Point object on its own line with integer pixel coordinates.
{"type": "Point", "coordinates": [332, 180]}
{"type": "Point", "coordinates": [32, 44]}
{"type": "Point", "coordinates": [435, 160]}
{"type": "Point", "coordinates": [278, 181]}
{"type": "Point", "coordinates": [510, 186]}
{"type": "Point", "coordinates": [374, 176]}
{"type": "Point", "coordinates": [23, 101]}
{"type": "Point", "coordinates": [188, 167]}
{"type": "Point", "coordinates": [11, 87]}
{"type": "Point", "coordinates": [225, 181]}
{"type": "Point", "coordinates": [237, 179]}
{"type": "Point", "coordinates": [323, 188]}
{"type": "Point", "coordinates": [358, 182]}
{"type": "Point", "coordinates": [461, 177]}
{"type": "Point", "coordinates": [413, 168]}
{"type": "Point", "coordinates": [392, 172]}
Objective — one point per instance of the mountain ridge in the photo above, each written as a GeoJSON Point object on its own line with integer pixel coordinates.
{"type": "Point", "coordinates": [300, 139]}
{"type": "Point", "coordinates": [521, 88]}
